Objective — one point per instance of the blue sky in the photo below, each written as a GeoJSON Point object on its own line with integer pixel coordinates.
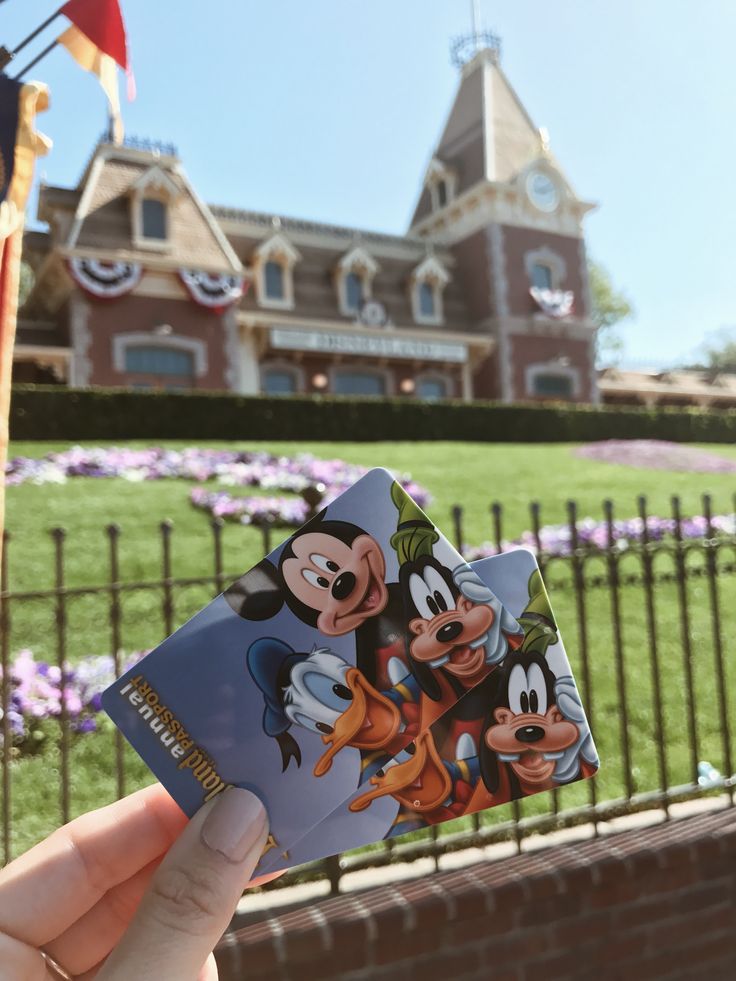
{"type": "Point", "coordinates": [329, 109]}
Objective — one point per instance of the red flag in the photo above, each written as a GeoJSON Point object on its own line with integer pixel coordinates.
{"type": "Point", "coordinates": [97, 42]}
{"type": "Point", "coordinates": [102, 22]}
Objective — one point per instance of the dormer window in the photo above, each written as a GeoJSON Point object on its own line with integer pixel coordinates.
{"type": "Point", "coordinates": [151, 200]}
{"type": "Point", "coordinates": [353, 292]}
{"type": "Point", "coordinates": [440, 182]}
{"type": "Point", "coordinates": [354, 280]}
{"type": "Point", "coordinates": [154, 219]}
{"type": "Point", "coordinates": [273, 280]}
{"type": "Point", "coordinates": [427, 301]}
{"type": "Point", "coordinates": [273, 265]}
{"type": "Point", "coordinates": [427, 284]}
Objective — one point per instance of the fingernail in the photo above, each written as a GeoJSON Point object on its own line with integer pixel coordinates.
{"type": "Point", "coordinates": [235, 824]}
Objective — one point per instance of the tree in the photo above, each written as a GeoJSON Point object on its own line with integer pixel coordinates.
{"type": "Point", "coordinates": [26, 282]}
{"type": "Point", "coordinates": [610, 307]}
{"type": "Point", "coordinates": [717, 352]}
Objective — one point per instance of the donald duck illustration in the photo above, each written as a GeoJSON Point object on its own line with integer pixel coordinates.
{"type": "Point", "coordinates": [322, 693]}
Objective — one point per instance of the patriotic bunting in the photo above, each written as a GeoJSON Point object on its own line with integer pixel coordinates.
{"type": "Point", "coordinates": [216, 291]}
{"type": "Point", "coordinates": [105, 280]}
{"type": "Point", "coordinates": [554, 303]}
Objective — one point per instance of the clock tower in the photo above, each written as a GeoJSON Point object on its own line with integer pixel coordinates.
{"type": "Point", "coordinates": [497, 198]}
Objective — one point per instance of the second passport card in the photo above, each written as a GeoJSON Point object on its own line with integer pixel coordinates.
{"type": "Point", "coordinates": [521, 731]}
{"type": "Point", "coordinates": [319, 665]}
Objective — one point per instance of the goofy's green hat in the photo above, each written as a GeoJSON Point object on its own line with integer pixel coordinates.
{"type": "Point", "coordinates": [415, 534]}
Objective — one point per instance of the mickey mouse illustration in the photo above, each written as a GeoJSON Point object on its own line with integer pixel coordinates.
{"type": "Point", "coordinates": [331, 575]}
{"type": "Point", "coordinates": [322, 693]}
{"type": "Point", "coordinates": [457, 623]}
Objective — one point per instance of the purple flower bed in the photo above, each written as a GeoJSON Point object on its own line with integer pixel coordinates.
{"type": "Point", "coordinates": [556, 540]}
{"type": "Point", "coordinates": [656, 454]}
{"type": "Point", "coordinates": [36, 687]}
{"type": "Point", "coordinates": [292, 475]}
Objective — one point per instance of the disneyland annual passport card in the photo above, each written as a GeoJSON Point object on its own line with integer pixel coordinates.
{"type": "Point", "coordinates": [363, 680]}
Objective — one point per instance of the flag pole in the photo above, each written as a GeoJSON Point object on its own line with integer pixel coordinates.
{"type": "Point", "coordinates": [7, 56]}
{"type": "Point", "coordinates": [39, 57]}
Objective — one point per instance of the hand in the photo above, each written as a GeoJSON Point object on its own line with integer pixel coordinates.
{"type": "Point", "coordinates": [131, 891]}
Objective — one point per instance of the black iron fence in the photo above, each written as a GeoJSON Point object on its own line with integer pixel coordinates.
{"type": "Point", "coordinates": [648, 624]}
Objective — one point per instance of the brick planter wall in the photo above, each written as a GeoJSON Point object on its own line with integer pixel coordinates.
{"type": "Point", "coordinates": [654, 903]}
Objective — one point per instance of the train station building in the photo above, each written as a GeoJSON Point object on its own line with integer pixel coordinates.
{"type": "Point", "coordinates": [141, 283]}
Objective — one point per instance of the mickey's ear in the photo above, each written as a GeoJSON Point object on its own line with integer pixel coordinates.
{"type": "Point", "coordinates": [257, 595]}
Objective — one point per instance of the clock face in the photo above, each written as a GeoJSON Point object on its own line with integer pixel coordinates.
{"type": "Point", "coordinates": [542, 191]}
{"type": "Point", "coordinates": [373, 314]}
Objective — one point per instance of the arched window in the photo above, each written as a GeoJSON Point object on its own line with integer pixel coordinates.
{"type": "Point", "coordinates": [427, 283]}
{"type": "Point", "coordinates": [542, 276]}
{"type": "Point", "coordinates": [273, 275]}
{"type": "Point", "coordinates": [353, 292]}
{"type": "Point", "coordinates": [545, 268]}
{"type": "Point", "coordinates": [354, 275]}
{"type": "Point", "coordinates": [427, 300]}
{"type": "Point", "coordinates": [152, 197]}
{"type": "Point", "coordinates": [441, 182]}
{"type": "Point", "coordinates": [273, 266]}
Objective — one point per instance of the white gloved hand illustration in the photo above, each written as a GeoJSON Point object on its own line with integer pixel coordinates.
{"type": "Point", "coordinates": [473, 588]}
{"type": "Point", "coordinates": [569, 704]}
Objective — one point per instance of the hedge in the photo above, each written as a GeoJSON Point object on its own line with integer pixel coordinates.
{"type": "Point", "coordinates": [56, 413]}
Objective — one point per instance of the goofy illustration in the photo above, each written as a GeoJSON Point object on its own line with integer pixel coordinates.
{"type": "Point", "coordinates": [459, 631]}
{"type": "Point", "coordinates": [525, 731]}
{"type": "Point", "coordinates": [536, 737]}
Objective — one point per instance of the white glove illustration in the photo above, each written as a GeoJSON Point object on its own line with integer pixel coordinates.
{"type": "Point", "coordinates": [473, 588]}
{"type": "Point", "coordinates": [569, 704]}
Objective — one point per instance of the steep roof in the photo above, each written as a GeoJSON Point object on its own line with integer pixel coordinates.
{"type": "Point", "coordinates": [489, 135]}
{"type": "Point", "coordinates": [102, 218]}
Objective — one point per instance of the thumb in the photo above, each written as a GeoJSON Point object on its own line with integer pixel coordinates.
{"type": "Point", "coordinates": [193, 894]}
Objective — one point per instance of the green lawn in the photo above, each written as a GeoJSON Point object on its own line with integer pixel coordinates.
{"type": "Point", "coordinates": [473, 475]}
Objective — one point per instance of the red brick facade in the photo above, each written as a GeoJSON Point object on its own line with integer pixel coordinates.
{"type": "Point", "coordinates": [142, 314]}
{"type": "Point", "coordinates": [645, 905]}
{"type": "Point", "coordinates": [527, 349]}
{"type": "Point", "coordinates": [517, 242]}
{"type": "Point", "coordinates": [427, 313]}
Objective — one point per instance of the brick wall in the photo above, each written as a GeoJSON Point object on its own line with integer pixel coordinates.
{"type": "Point", "coordinates": [136, 314]}
{"type": "Point", "coordinates": [527, 349]}
{"type": "Point", "coordinates": [656, 903]}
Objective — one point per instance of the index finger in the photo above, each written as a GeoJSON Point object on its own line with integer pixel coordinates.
{"type": "Point", "coordinates": [46, 890]}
